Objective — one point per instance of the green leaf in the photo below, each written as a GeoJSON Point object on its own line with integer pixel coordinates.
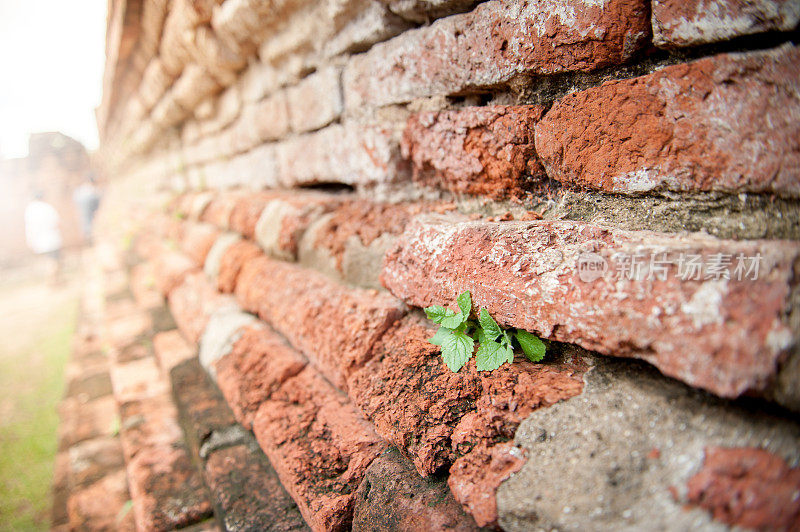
{"type": "Point", "coordinates": [533, 348]}
{"type": "Point", "coordinates": [464, 301]}
{"type": "Point", "coordinates": [491, 355]}
{"type": "Point", "coordinates": [440, 335]}
{"type": "Point", "coordinates": [480, 335]}
{"type": "Point", "coordinates": [490, 327]}
{"type": "Point", "coordinates": [456, 349]}
{"type": "Point", "coordinates": [437, 313]}
{"type": "Point", "coordinates": [456, 321]}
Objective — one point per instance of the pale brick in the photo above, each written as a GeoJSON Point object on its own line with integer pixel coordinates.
{"type": "Point", "coordinates": [316, 101]}
{"type": "Point", "coordinates": [537, 37]}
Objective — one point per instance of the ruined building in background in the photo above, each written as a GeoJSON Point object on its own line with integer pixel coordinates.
{"type": "Point", "coordinates": [292, 181]}
{"type": "Point", "coordinates": [56, 164]}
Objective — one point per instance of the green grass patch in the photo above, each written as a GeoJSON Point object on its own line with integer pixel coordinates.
{"type": "Point", "coordinates": [31, 385]}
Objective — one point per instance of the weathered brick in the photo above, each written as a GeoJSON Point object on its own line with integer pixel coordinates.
{"type": "Point", "coordinates": [722, 334]}
{"type": "Point", "coordinates": [148, 423]}
{"type": "Point", "coordinates": [353, 154]}
{"type": "Point", "coordinates": [137, 380]}
{"type": "Point", "coordinates": [247, 492]}
{"type": "Point", "coordinates": [259, 362]}
{"type": "Point", "coordinates": [475, 477]}
{"type": "Point", "coordinates": [171, 348]}
{"type": "Point", "coordinates": [722, 123]}
{"type": "Point", "coordinates": [246, 212]}
{"type": "Point", "coordinates": [167, 490]}
{"type": "Point", "coordinates": [155, 82]}
{"type": "Point", "coordinates": [193, 302]}
{"type": "Point", "coordinates": [221, 60]}
{"type": "Point", "coordinates": [101, 506]}
{"type": "Point", "coordinates": [334, 326]}
{"type": "Point", "coordinates": [218, 210]}
{"type": "Point", "coordinates": [422, 11]}
{"type": "Point", "coordinates": [214, 259]}
{"type": "Point", "coordinates": [434, 415]}
{"type": "Point", "coordinates": [478, 150]}
{"type": "Point", "coordinates": [85, 420]}
{"type": "Point", "coordinates": [356, 25]}
{"type": "Point", "coordinates": [170, 269]}
{"type": "Point", "coordinates": [747, 487]}
{"type": "Point", "coordinates": [231, 263]}
{"type": "Point", "coordinates": [143, 286]}
{"type": "Point", "coordinates": [316, 101]}
{"type": "Point", "coordinates": [693, 22]}
{"type": "Point", "coordinates": [260, 122]}
{"type": "Point", "coordinates": [536, 37]}
{"type": "Point", "coordinates": [88, 384]}
{"type": "Point", "coordinates": [285, 219]}
{"type": "Point", "coordinates": [393, 496]}
{"type": "Point", "coordinates": [197, 240]}
{"type": "Point", "coordinates": [319, 445]}
{"type": "Point", "coordinates": [621, 455]}
{"type": "Point", "coordinates": [93, 459]}
{"type": "Point", "coordinates": [203, 410]}
{"type": "Point", "coordinates": [123, 330]}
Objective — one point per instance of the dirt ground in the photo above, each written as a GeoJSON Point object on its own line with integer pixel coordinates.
{"type": "Point", "coordinates": [36, 327]}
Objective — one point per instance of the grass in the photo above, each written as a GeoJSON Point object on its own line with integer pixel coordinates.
{"type": "Point", "coordinates": [31, 384]}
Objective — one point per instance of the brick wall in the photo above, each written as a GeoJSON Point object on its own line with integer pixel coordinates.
{"type": "Point", "coordinates": [619, 177]}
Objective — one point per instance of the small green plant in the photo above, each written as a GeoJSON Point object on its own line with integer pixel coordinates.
{"type": "Point", "coordinates": [458, 334]}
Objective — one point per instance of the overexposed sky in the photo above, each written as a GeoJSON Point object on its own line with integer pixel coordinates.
{"type": "Point", "coordinates": [51, 70]}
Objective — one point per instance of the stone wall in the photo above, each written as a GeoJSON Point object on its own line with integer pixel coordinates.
{"type": "Point", "coordinates": [295, 180]}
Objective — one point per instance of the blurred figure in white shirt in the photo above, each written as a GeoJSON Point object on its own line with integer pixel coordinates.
{"type": "Point", "coordinates": [43, 233]}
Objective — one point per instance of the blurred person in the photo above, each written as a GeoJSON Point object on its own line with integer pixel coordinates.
{"type": "Point", "coordinates": [43, 233]}
{"type": "Point", "coordinates": [87, 199]}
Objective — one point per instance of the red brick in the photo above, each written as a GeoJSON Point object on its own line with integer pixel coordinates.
{"type": "Point", "coordinates": [478, 150]}
{"type": "Point", "coordinates": [137, 380]}
{"type": "Point", "coordinates": [166, 488]}
{"type": "Point", "coordinates": [726, 336]}
{"type": "Point", "coordinates": [393, 496]}
{"type": "Point", "coordinates": [148, 423]}
{"type": "Point", "coordinates": [434, 415]}
{"type": "Point", "coordinates": [748, 488]}
{"type": "Point", "coordinates": [197, 239]}
{"type": "Point", "coordinates": [334, 326]}
{"type": "Point", "coordinates": [247, 492]}
{"type": "Point", "coordinates": [247, 211]}
{"type": "Point", "coordinates": [218, 211]}
{"type": "Point", "coordinates": [143, 286]}
{"type": "Point", "coordinates": [82, 421]}
{"type": "Point", "coordinates": [474, 478]}
{"type": "Point", "coordinates": [319, 446]}
{"type": "Point", "coordinates": [258, 364]}
{"type": "Point", "coordinates": [93, 459]}
{"type": "Point", "coordinates": [537, 37]}
{"type": "Point", "coordinates": [693, 22]}
{"type": "Point", "coordinates": [101, 506]}
{"type": "Point", "coordinates": [422, 11]}
{"type": "Point", "coordinates": [236, 255]}
{"type": "Point", "coordinates": [170, 269]}
{"type": "Point", "coordinates": [721, 123]}
{"type": "Point", "coordinates": [171, 348]}
{"type": "Point", "coordinates": [192, 303]}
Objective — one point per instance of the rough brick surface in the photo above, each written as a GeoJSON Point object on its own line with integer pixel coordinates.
{"type": "Point", "coordinates": [170, 269]}
{"type": "Point", "coordinates": [692, 22]}
{"type": "Point", "coordinates": [621, 455]}
{"type": "Point", "coordinates": [474, 478]}
{"type": "Point", "coordinates": [479, 150]}
{"type": "Point", "coordinates": [193, 302]}
{"type": "Point", "coordinates": [393, 496]}
{"type": "Point", "coordinates": [100, 505]}
{"type": "Point", "coordinates": [166, 488]}
{"type": "Point", "coordinates": [434, 415]}
{"type": "Point", "coordinates": [248, 494]}
{"type": "Point", "coordinates": [82, 421]}
{"type": "Point", "coordinates": [352, 154]}
{"type": "Point", "coordinates": [258, 364]}
{"type": "Point", "coordinates": [537, 37]}
{"type": "Point", "coordinates": [724, 335]}
{"type": "Point", "coordinates": [316, 101]}
{"type": "Point", "coordinates": [197, 239]}
{"type": "Point", "coordinates": [334, 326]}
{"type": "Point", "coordinates": [319, 445]}
{"type": "Point", "coordinates": [170, 349]}
{"type": "Point", "coordinates": [747, 487]}
{"type": "Point", "coordinates": [234, 257]}
{"type": "Point", "coordinates": [723, 123]}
